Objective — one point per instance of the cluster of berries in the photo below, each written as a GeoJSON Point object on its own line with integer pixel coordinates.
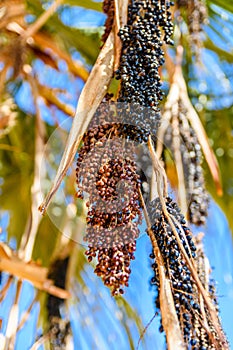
{"type": "Point", "coordinates": [204, 271]}
{"type": "Point", "coordinates": [59, 328]}
{"type": "Point", "coordinates": [197, 17]}
{"type": "Point", "coordinates": [107, 171]}
{"type": "Point", "coordinates": [185, 293]}
{"type": "Point", "coordinates": [190, 150]}
{"type": "Point", "coordinates": [141, 58]}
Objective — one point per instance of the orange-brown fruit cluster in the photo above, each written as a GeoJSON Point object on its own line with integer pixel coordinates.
{"type": "Point", "coordinates": [106, 170]}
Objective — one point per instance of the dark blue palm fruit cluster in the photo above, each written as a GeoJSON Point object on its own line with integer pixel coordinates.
{"type": "Point", "coordinates": [149, 26]}
{"type": "Point", "coordinates": [191, 154]}
{"type": "Point", "coordinates": [197, 196]}
{"type": "Point", "coordinates": [197, 17]}
{"type": "Point", "coordinates": [204, 273]}
{"type": "Point", "coordinates": [107, 172]}
{"type": "Point", "coordinates": [185, 293]}
{"type": "Point", "coordinates": [59, 328]}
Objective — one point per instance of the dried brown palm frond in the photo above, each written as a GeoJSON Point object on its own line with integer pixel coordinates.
{"type": "Point", "coordinates": [21, 43]}
{"type": "Point", "coordinates": [30, 271]}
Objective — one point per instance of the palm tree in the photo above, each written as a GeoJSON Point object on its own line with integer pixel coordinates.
{"type": "Point", "coordinates": [45, 61]}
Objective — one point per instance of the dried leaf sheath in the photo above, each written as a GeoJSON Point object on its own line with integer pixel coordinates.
{"type": "Point", "coordinates": [91, 96]}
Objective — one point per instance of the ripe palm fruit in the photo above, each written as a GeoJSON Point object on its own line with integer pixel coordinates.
{"type": "Point", "coordinates": [141, 57]}
{"type": "Point", "coordinates": [187, 299]}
